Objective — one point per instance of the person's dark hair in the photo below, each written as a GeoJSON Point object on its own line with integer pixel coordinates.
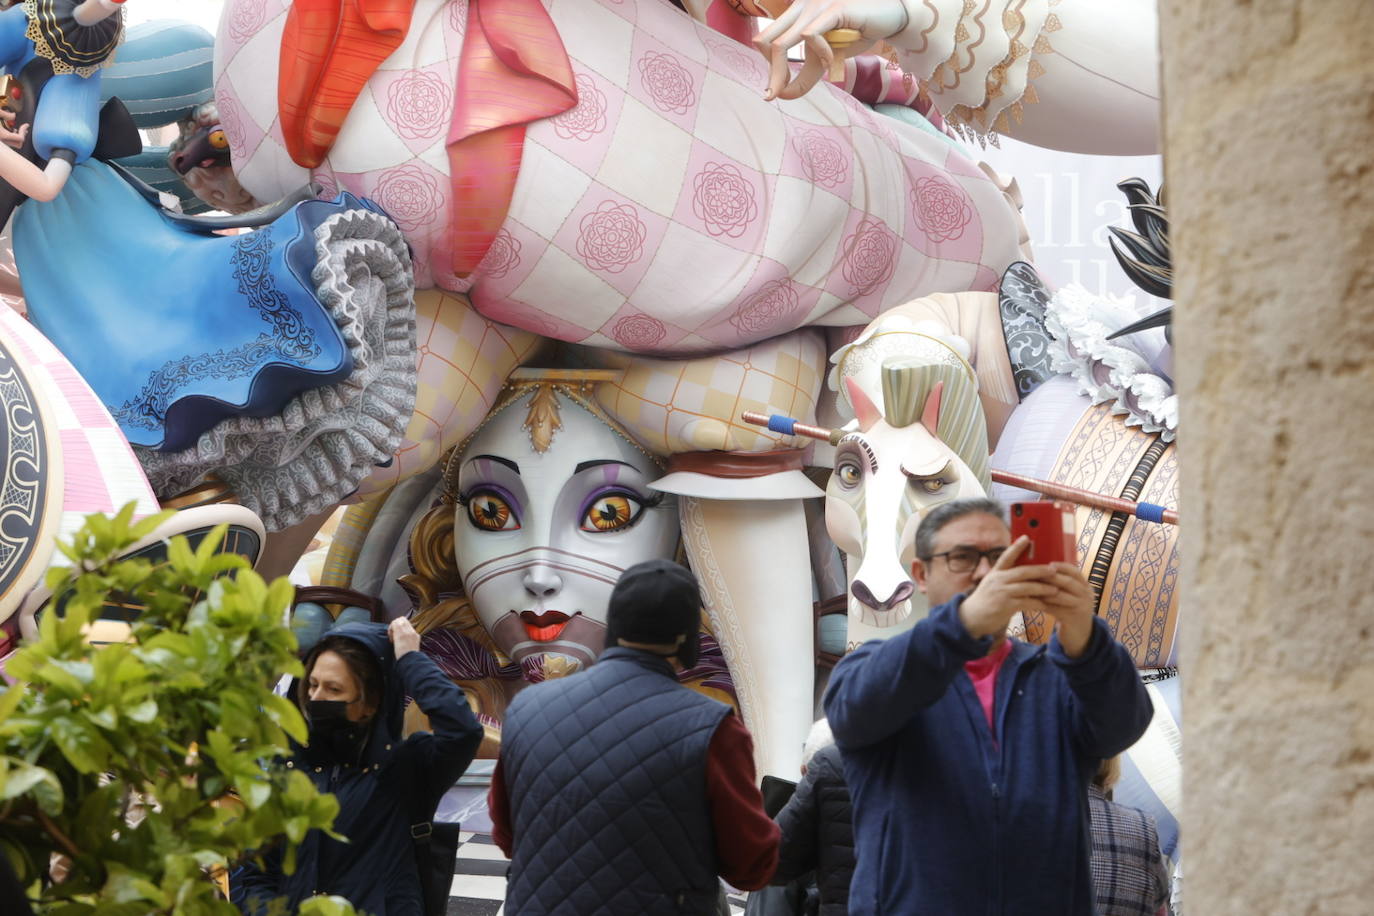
{"type": "Point", "coordinates": [362, 664]}
{"type": "Point", "coordinates": [941, 516]}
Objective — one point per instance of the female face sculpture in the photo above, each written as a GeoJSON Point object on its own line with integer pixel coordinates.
{"type": "Point", "coordinates": [542, 536]}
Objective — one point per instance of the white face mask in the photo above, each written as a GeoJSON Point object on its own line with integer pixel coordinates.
{"type": "Point", "coordinates": [541, 539]}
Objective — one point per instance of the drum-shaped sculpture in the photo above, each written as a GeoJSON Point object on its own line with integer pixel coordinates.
{"type": "Point", "coordinates": [1132, 564]}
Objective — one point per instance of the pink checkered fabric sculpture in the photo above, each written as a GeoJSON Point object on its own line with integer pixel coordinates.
{"type": "Point", "coordinates": [672, 211]}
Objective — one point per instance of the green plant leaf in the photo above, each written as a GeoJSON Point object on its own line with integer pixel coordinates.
{"type": "Point", "coordinates": [146, 526]}
{"type": "Point", "coordinates": [143, 712]}
{"type": "Point", "coordinates": [81, 744]}
{"type": "Point", "coordinates": [326, 906]}
{"type": "Point", "coordinates": [20, 777]}
{"type": "Point", "coordinates": [183, 713]}
{"type": "Point", "coordinates": [9, 700]}
{"type": "Point", "coordinates": [285, 713]}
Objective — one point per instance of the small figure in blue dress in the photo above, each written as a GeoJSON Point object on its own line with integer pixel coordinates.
{"type": "Point", "coordinates": [280, 359]}
{"type": "Point", "coordinates": [62, 44]}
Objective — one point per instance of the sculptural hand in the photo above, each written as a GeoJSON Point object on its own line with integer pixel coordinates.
{"type": "Point", "coordinates": [8, 134]}
{"type": "Point", "coordinates": [807, 21]}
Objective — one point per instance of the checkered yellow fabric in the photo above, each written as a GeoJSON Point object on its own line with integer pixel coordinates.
{"type": "Point", "coordinates": [687, 405]}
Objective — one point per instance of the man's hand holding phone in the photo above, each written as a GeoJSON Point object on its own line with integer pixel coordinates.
{"type": "Point", "coordinates": [1050, 528]}
{"type": "Point", "coordinates": [1006, 589]}
{"type": "Point", "coordinates": [1074, 605]}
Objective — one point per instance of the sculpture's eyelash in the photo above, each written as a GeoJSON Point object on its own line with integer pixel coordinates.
{"type": "Point", "coordinates": [861, 443]}
{"type": "Point", "coordinates": [648, 502]}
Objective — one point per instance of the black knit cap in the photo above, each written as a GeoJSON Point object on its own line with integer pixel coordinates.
{"type": "Point", "coordinates": [656, 602]}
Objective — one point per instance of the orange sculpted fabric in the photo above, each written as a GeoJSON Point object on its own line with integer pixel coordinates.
{"type": "Point", "coordinates": [329, 50]}
{"type": "Point", "coordinates": [514, 70]}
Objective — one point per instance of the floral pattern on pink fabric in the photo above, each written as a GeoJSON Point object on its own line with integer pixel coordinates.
{"type": "Point", "coordinates": [668, 83]}
{"type": "Point", "coordinates": [638, 331]}
{"type": "Point", "coordinates": [745, 63]}
{"type": "Point", "coordinates": [724, 200]}
{"type": "Point", "coordinates": [769, 310]}
{"type": "Point", "coordinates": [410, 195]}
{"type": "Point", "coordinates": [502, 257]}
{"type": "Point", "coordinates": [231, 120]}
{"type": "Point", "coordinates": [329, 185]}
{"type": "Point", "coordinates": [587, 118]}
{"type": "Point", "coordinates": [870, 254]}
{"type": "Point", "coordinates": [247, 19]}
{"type": "Point", "coordinates": [417, 105]}
{"type": "Point", "coordinates": [611, 237]}
{"type": "Point", "coordinates": [942, 208]}
{"type": "Point", "coordinates": [823, 159]}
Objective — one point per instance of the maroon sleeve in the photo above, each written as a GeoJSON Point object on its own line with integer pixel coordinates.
{"type": "Point", "coordinates": [498, 806]}
{"type": "Point", "coordinates": [746, 837]}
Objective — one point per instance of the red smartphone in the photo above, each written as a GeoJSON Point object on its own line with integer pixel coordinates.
{"type": "Point", "coordinates": [1050, 527]}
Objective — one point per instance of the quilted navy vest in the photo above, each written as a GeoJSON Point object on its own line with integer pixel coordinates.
{"type": "Point", "coordinates": [606, 775]}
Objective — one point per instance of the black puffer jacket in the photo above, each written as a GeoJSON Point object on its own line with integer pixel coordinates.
{"type": "Point", "coordinates": [818, 832]}
{"type": "Point", "coordinates": [397, 783]}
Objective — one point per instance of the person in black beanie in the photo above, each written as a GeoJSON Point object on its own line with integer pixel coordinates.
{"type": "Point", "coordinates": [620, 791]}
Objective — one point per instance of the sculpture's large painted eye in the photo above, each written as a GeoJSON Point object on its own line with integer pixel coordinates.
{"type": "Point", "coordinates": [489, 511]}
{"type": "Point", "coordinates": [217, 139]}
{"type": "Point", "coordinates": [611, 512]}
{"type": "Point", "coordinates": [933, 484]}
{"type": "Point", "coordinates": [849, 473]}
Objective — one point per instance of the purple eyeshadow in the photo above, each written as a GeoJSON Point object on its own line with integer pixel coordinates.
{"type": "Point", "coordinates": [487, 487]}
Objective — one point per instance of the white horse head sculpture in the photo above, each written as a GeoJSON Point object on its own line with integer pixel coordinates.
{"type": "Point", "coordinates": [927, 445]}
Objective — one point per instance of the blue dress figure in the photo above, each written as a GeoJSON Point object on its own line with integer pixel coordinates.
{"type": "Point", "coordinates": [72, 39]}
{"type": "Point", "coordinates": [176, 328]}
{"type": "Point", "coordinates": [280, 359]}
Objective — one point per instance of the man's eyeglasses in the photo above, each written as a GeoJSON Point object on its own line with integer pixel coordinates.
{"type": "Point", "coordinates": [965, 559]}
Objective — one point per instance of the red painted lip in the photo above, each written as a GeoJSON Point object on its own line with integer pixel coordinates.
{"type": "Point", "coordinates": [546, 626]}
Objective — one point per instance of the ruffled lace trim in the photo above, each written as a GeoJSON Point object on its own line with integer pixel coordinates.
{"type": "Point", "coordinates": [1109, 370]}
{"type": "Point", "coordinates": [60, 64]}
{"type": "Point", "coordinates": [326, 440]}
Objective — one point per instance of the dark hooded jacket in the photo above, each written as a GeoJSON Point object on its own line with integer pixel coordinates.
{"type": "Point", "coordinates": [393, 784]}
{"type": "Point", "coordinates": [818, 832]}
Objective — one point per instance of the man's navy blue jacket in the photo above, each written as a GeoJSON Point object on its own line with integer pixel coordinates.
{"type": "Point", "coordinates": [949, 821]}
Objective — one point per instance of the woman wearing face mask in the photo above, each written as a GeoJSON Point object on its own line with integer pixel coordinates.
{"type": "Point", "coordinates": [353, 695]}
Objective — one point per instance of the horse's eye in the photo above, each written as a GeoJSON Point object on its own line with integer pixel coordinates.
{"type": "Point", "coordinates": [933, 484]}
{"type": "Point", "coordinates": [849, 473]}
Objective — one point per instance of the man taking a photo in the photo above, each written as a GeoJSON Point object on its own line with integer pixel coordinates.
{"type": "Point", "coordinates": [968, 753]}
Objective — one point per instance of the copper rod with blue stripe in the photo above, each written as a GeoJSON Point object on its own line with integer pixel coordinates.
{"type": "Point", "coordinates": [1150, 512]}
{"type": "Point", "coordinates": [789, 427]}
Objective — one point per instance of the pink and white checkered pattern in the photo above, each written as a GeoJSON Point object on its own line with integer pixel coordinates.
{"type": "Point", "coordinates": [673, 210]}
{"type": "Point", "coordinates": [99, 470]}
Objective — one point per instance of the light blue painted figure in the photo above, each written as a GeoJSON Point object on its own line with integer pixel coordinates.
{"type": "Point", "coordinates": [77, 37]}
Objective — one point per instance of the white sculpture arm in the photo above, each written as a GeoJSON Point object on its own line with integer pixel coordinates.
{"type": "Point", "coordinates": [26, 177]}
{"type": "Point", "coordinates": [93, 11]}
{"type": "Point", "coordinates": [1078, 75]}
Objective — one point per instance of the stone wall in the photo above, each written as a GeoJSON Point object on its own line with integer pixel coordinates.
{"type": "Point", "coordinates": [1269, 159]}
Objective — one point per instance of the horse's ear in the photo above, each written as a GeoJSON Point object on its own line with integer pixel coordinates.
{"type": "Point", "coordinates": [864, 408]}
{"type": "Point", "coordinates": [930, 416]}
